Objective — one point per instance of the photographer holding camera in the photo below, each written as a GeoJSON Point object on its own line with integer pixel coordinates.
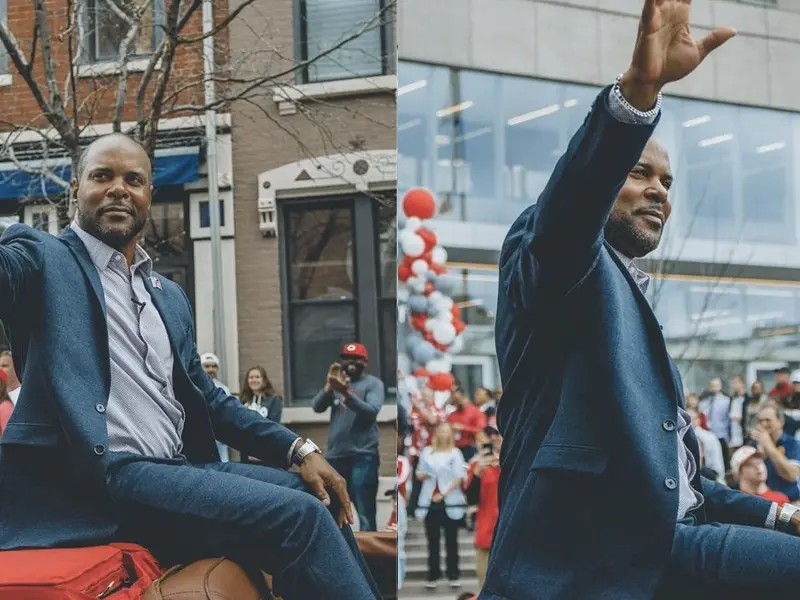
{"type": "Point", "coordinates": [355, 399]}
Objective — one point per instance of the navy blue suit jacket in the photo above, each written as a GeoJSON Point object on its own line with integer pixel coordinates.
{"type": "Point", "coordinates": [53, 453]}
{"type": "Point", "coordinates": [589, 494]}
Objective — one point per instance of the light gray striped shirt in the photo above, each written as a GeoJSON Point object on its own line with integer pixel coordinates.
{"type": "Point", "coordinates": [143, 415]}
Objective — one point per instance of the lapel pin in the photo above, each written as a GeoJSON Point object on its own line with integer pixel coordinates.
{"type": "Point", "coordinates": [156, 282]}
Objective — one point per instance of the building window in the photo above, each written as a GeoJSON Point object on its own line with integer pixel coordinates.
{"type": "Point", "coordinates": [106, 24]}
{"type": "Point", "coordinates": [336, 289]}
{"type": "Point", "coordinates": [343, 39]}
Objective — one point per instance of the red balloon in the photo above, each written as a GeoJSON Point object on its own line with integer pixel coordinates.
{"type": "Point", "coordinates": [428, 337]}
{"type": "Point", "coordinates": [440, 347]}
{"type": "Point", "coordinates": [460, 326]}
{"type": "Point", "coordinates": [456, 310]}
{"type": "Point", "coordinates": [429, 288]}
{"type": "Point", "coordinates": [419, 202]}
{"type": "Point", "coordinates": [403, 272]}
{"type": "Point", "coordinates": [418, 322]}
{"type": "Point", "coordinates": [437, 269]}
{"type": "Point", "coordinates": [422, 372]}
{"type": "Point", "coordinates": [429, 238]}
{"type": "Point", "coordinates": [441, 382]}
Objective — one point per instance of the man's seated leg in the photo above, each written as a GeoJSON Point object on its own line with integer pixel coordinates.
{"type": "Point", "coordinates": [184, 513]}
{"type": "Point", "coordinates": [731, 562]}
{"type": "Point", "coordinates": [295, 482]}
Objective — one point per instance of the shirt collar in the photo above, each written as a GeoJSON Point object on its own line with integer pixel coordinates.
{"type": "Point", "coordinates": [626, 260]}
{"type": "Point", "coordinates": [101, 253]}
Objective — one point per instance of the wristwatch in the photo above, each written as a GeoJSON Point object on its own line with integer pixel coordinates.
{"type": "Point", "coordinates": [306, 448]}
{"type": "Point", "coordinates": [785, 517]}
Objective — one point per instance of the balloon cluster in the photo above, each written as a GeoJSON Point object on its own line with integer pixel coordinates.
{"type": "Point", "coordinates": [435, 321]}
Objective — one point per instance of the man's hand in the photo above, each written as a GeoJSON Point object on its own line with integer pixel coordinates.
{"type": "Point", "coordinates": [764, 440]}
{"type": "Point", "coordinates": [437, 497]}
{"type": "Point", "coordinates": [321, 476]}
{"type": "Point", "coordinates": [337, 379]}
{"type": "Point", "coordinates": [665, 50]}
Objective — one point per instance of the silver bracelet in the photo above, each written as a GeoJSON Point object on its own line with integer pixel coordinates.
{"type": "Point", "coordinates": [650, 114]}
{"type": "Point", "coordinates": [784, 521]}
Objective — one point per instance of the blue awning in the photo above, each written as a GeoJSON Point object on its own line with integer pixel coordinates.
{"type": "Point", "coordinates": [173, 166]}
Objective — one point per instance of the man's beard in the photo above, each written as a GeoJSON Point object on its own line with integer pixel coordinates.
{"type": "Point", "coordinates": [626, 237]}
{"type": "Point", "coordinates": [110, 236]}
{"type": "Point", "coordinates": [355, 371]}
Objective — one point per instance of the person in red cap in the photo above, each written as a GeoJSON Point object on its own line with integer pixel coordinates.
{"type": "Point", "coordinates": [355, 398]}
{"type": "Point", "coordinates": [6, 406]}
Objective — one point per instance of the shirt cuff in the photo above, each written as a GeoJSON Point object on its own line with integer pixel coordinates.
{"type": "Point", "coordinates": [623, 114]}
{"type": "Point", "coordinates": [772, 516]}
{"type": "Point", "coordinates": [293, 447]}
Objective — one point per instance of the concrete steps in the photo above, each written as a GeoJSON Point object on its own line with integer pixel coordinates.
{"type": "Point", "coordinates": [416, 546]}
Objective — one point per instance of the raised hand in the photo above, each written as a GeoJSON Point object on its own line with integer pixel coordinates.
{"type": "Point", "coordinates": [665, 50]}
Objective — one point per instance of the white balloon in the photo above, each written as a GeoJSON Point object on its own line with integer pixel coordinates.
{"type": "Point", "coordinates": [443, 333]}
{"type": "Point", "coordinates": [419, 267]}
{"type": "Point", "coordinates": [447, 363]}
{"type": "Point", "coordinates": [435, 297]}
{"type": "Point", "coordinates": [457, 346]}
{"type": "Point", "coordinates": [445, 304]}
{"type": "Point", "coordinates": [430, 324]}
{"type": "Point", "coordinates": [436, 366]}
{"type": "Point", "coordinates": [402, 294]}
{"type": "Point", "coordinates": [439, 255]}
{"type": "Point", "coordinates": [413, 223]}
{"type": "Point", "coordinates": [413, 245]}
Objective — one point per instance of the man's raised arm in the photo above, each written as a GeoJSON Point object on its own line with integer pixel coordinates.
{"type": "Point", "coordinates": [20, 263]}
{"type": "Point", "coordinates": [554, 244]}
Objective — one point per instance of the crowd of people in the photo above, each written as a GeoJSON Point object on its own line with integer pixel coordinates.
{"type": "Point", "coordinates": [448, 472]}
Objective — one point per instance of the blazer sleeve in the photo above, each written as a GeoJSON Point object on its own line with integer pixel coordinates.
{"type": "Point", "coordinates": [20, 266]}
{"type": "Point", "coordinates": [554, 244]}
{"type": "Point", "coordinates": [724, 505]}
{"type": "Point", "coordinates": [276, 409]}
{"type": "Point", "coordinates": [234, 424]}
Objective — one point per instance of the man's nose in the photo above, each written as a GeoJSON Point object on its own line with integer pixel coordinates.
{"type": "Point", "coordinates": [116, 188]}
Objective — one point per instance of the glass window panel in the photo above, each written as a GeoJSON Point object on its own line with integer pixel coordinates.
{"type": "Point", "coordinates": [386, 217]}
{"type": "Point", "coordinates": [328, 23]}
{"type": "Point", "coordinates": [388, 316]}
{"type": "Point", "coordinates": [111, 23]}
{"type": "Point", "coordinates": [164, 234]}
{"type": "Point", "coordinates": [318, 334]}
{"type": "Point", "coordinates": [205, 217]}
{"type": "Point", "coordinates": [320, 244]}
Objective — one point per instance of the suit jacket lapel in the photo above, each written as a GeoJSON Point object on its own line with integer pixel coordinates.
{"type": "Point", "coordinates": [85, 261]}
{"type": "Point", "coordinates": [171, 323]}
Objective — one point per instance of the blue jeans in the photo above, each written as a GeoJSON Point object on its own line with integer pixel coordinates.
{"type": "Point", "coordinates": [262, 517]}
{"type": "Point", "coordinates": [361, 473]}
{"type": "Point", "coordinates": [732, 562]}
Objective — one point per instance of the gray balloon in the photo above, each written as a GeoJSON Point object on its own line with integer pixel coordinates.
{"type": "Point", "coordinates": [412, 341]}
{"type": "Point", "coordinates": [430, 275]}
{"type": "Point", "coordinates": [432, 309]}
{"type": "Point", "coordinates": [401, 220]}
{"type": "Point", "coordinates": [418, 303]}
{"type": "Point", "coordinates": [424, 352]}
{"type": "Point", "coordinates": [446, 283]}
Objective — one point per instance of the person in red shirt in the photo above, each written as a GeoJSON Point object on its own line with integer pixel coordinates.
{"type": "Point", "coordinates": [466, 420]}
{"type": "Point", "coordinates": [483, 476]}
{"type": "Point", "coordinates": [747, 463]}
{"type": "Point", "coordinates": [783, 387]}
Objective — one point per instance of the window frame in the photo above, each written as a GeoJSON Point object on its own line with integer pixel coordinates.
{"type": "Point", "coordinates": [366, 280]}
{"type": "Point", "coordinates": [89, 54]}
{"type": "Point", "coordinates": [387, 48]}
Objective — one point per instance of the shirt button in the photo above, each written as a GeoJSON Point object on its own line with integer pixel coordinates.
{"type": "Point", "coordinates": [100, 407]}
{"type": "Point", "coordinates": [668, 425]}
{"type": "Point", "coordinates": [670, 483]}
{"type": "Point", "coordinates": [99, 450]}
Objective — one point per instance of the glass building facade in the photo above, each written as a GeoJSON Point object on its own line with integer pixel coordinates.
{"type": "Point", "coordinates": [726, 278]}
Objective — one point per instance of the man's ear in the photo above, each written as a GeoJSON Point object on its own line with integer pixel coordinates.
{"type": "Point", "coordinates": [73, 190]}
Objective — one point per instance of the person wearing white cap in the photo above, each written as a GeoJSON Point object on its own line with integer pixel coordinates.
{"type": "Point", "coordinates": [750, 470]}
{"type": "Point", "coordinates": [210, 363]}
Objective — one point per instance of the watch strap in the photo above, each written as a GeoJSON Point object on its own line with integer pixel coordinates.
{"type": "Point", "coordinates": [785, 517]}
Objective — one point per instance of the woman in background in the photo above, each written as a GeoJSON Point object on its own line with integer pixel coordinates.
{"type": "Point", "coordinates": [259, 395]}
{"type": "Point", "coordinates": [442, 502]}
{"type": "Point", "coordinates": [6, 405]}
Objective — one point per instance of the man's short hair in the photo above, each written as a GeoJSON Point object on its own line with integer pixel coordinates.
{"type": "Point", "coordinates": [85, 153]}
{"type": "Point", "coordinates": [774, 405]}
{"type": "Point", "coordinates": [5, 352]}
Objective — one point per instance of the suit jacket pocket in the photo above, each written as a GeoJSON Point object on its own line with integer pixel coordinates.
{"type": "Point", "coordinates": [31, 434]}
{"type": "Point", "coordinates": [590, 460]}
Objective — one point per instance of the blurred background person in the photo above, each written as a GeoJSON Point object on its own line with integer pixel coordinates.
{"type": "Point", "coordinates": [781, 451]}
{"type": "Point", "coordinates": [484, 399]}
{"type": "Point", "coordinates": [210, 364]}
{"type": "Point", "coordinates": [783, 386]}
{"type": "Point", "coordinates": [355, 398]}
{"type": "Point", "coordinates": [466, 420]}
{"type": "Point", "coordinates": [7, 365]}
{"type": "Point", "coordinates": [259, 394]}
{"type": "Point", "coordinates": [750, 475]}
{"type": "Point", "coordinates": [483, 477]}
{"type": "Point", "coordinates": [6, 406]}
{"type": "Point", "coordinates": [442, 503]}
{"type": "Point", "coordinates": [717, 408]}
{"type": "Point", "coordinates": [712, 449]}
{"type": "Point", "coordinates": [425, 418]}
{"type": "Point", "coordinates": [738, 397]}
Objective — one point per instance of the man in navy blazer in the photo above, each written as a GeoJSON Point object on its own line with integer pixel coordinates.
{"type": "Point", "coordinates": [113, 436]}
{"type": "Point", "coordinates": [601, 496]}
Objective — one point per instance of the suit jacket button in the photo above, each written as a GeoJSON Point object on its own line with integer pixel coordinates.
{"type": "Point", "coordinates": [100, 407]}
{"type": "Point", "coordinates": [670, 483]}
{"type": "Point", "coordinates": [668, 425]}
{"type": "Point", "coordinates": [99, 450]}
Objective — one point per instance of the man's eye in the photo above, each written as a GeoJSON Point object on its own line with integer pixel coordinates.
{"type": "Point", "coordinates": [100, 176]}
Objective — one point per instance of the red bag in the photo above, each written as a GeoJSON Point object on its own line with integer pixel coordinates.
{"type": "Point", "coordinates": [116, 572]}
